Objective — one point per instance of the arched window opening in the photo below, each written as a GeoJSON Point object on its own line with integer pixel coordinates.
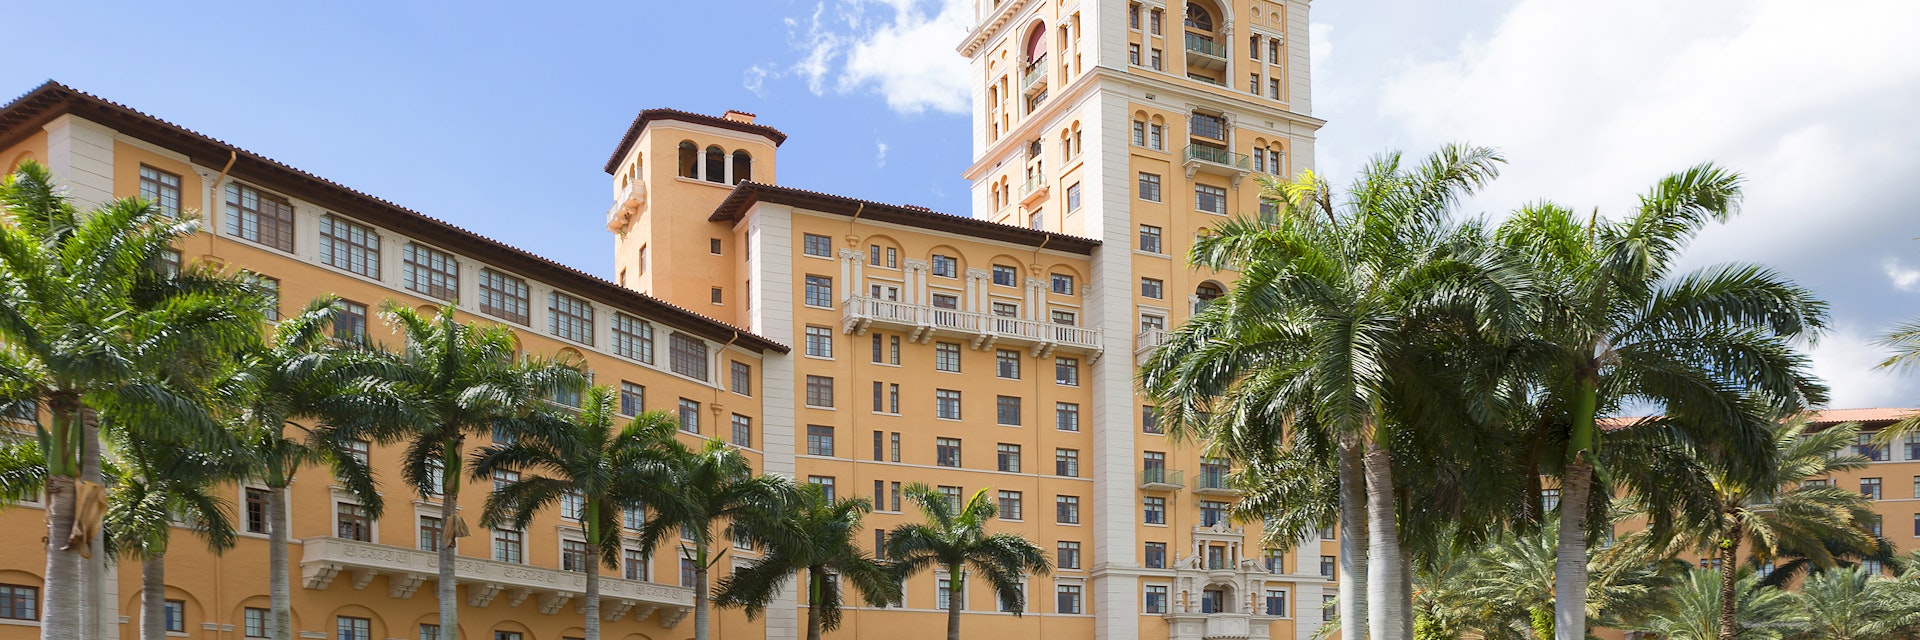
{"type": "Point", "coordinates": [1205, 294]}
{"type": "Point", "coordinates": [716, 165]}
{"type": "Point", "coordinates": [1036, 46]}
{"type": "Point", "coordinates": [742, 166]}
{"type": "Point", "coordinates": [1198, 18]}
{"type": "Point", "coordinates": [689, 160]}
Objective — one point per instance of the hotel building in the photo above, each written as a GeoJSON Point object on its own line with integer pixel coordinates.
{"type": "Point", "coordinates": [843, 342]}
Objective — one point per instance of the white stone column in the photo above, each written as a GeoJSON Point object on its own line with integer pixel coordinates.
{"type": "Point", "coordinates": [773, 280]}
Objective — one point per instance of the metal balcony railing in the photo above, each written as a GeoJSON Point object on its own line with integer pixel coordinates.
{"type": "Point", "coordinates": [865, 309]}
{"type": "Point", "coordinates": [1161, 478]}
{"type": "Point", "coordinates": [1202, 45]}
{"type": "Point", "coordinates": [1035, 75]}
{"type": "Point", "coordinates": [1219, 156]}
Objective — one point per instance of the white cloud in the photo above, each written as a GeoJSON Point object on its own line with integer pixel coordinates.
{"type": "Point", "coordinates": [880, 154]}
{"type": "Point", "coordinates": [1904, 278]}
{"type": "Point", "coordinates": [1846, 359]}
{"type": "Point", "coordinates": [899, 49]}
{"type": "Point", "coordinates": [755, 78]}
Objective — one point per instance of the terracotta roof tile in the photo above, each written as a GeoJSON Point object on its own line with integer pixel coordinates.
{"type": "Point", "coordinates": [746, 193]}
{"type": "Point", "coordinates": [650, 115]}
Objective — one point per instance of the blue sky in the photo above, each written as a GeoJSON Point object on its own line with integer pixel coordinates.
{"type": "Point", "coordinates": [499, 117]}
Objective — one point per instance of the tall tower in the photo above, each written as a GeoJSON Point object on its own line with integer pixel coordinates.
{"type": "Point", "coordinates": [1139, 124]}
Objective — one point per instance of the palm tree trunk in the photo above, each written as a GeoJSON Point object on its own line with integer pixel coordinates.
{"type": "Point", "coordinates": [816, 577]}
{"type": "Point", "coordinates": [449, 585]}
{"type": "Point", "coordinates": [700, 597]}
{"type": "Point", "coordinates": [1386, 584]}
{"type": "Point", "coordinates": [1353, 541]}
{"type": "Point", "coordinates": [93, 574]}
{"type": "Point", "coordinates": [1570, 557]}
{"type": "Point", "coordinates": [954, 591]}
{"type": "Point", "coordinates": [60, 613]}
{"type": "Point", "coordinates": [1729, 579]}
{"type": "Point", "coordinates": [279, 581]}
{"type": "Point", "coordinates": [1406, 592]}
{"type": "Point", "coordinates": [153, 597]}
{"type": "Point", "coordinates": [593, 587]}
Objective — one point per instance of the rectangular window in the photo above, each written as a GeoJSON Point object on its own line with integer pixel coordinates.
{"type": "Point", "coordinates": [946, 357]}
{"type": "Point", "coordinates": [1210, 199]}
{"type": "Point", "coordinates": [632, 338]}
{"type": "Point", "coordinates": [1865, 446]}
{"type": "Point", "coordinates": [19, 602]}
{"type": "Point", "coordinates": [1067, 555]}
{"type": "Point", "coordinates": [1273, 51]}
{"type": "Point", "coordinates": [1273, 91]}
{"type": "Point", "coordinates": [820, 391]}
{"type": "Point", "coordinates": [1066, 463]}
{"type": "Point", "coordinates": [816, 245]}
{"type": "Point", "coordinates": [633, 399]}
{"type": "Point", "coordinates": [347, 627]}
{"type": "Point", "coordinates": [1073, 197]}
{"type": "Point", "coordinates": [1068, 598]}
{"type": "Point", "coordinates": [1133, 16]}
{"type": "Point", "coordinates": [1155, 600]}
{"type": "Point", "coordinates": [946, 452]}
{"type": "Point", "coordinates": [352, 522]}
{"type": "Point", "coordinates": [1007, 457]}
{"type": "Point", "coordinates": [1064, 318]}
{"type": "Point", "coordinates": [1152, 288]}
{"type": "Point", "coordinates": [1006, 276]}
{"type": "Point", "coordinates": [1066, 371]}
{"type": "Point", "coordinates": [689, 416]}
{"type": "Point", "coordinates": [1066, 416]}
{"type": "Point", "coordinates": [1133, 58]}
{"type": "Point", "coordinates": [742, 431]}
{"type": "Point", "coordinates": [1155, 556]}
{"type": "Point", "coordinates": [430, 271]}
{"type": "Point", "coordinates": [946, 404]}
{"type": "Point", "coordinates": [826, 486]}
{"type": "Point", "coordinates": [570, 318]}
{"type": "Point", "coordinates": [509, 546]}
{"type": "Point", "coordinates": [1007, 410]}
{"type": "Point", "coordinates": [1155, 511]}
{"type": "Point", "coordinates": [1139, 133]}
{"type": "Point", "coordinates": [503, 478]}
{"type": "Point", "coordinates": [1066, 509]}
{"type": "Point", "coordinates": [741, 375]}
{"type": "Point", "coordinates": [573, 556]}
{"type": "Point", "coordinates": [1007, 363]}
{"type": "Point", "coordinates": [1061, 284]}
{"type": "Point", "coordinates": [1150, 237]}
{"type": "Point", "coordinates": [879, 455]}
{"type": "Point", "coordinates": [819, 341]}
{"type": "Point", "coordinates": [1010, 505]}
{"type": "Point", "coordinates": [819, 440]}
{"type": "Point", "coordinates": [687, 356]}
{"type": "Point", "coordinates": [503, 296]}
{"type": "Point", "coordinates": [1150, 420]}
{"type": "Point", "coordinates": [1870, 487]}
{"type": "Point", "coordinates": [256, 510]}
{"type": "Point", "coordinates": [1212, 512]}
{"type": "Point", "coordinates": [819, 291]}
{"type": "Point", "coordinates": [162, 189]}
{"type": "Point", "coordinates": [945, 266]}
{"type": "Point", "coordinates": [256, 622]}
{"type": "Point", "coordinates": [943, 594]}
{"type": "Point", "coordinates": [260, 217]}
{"type": "Point", "coordinates": [349, 246]}
{"type": "Point", "coordinates": [349, 320]}
{"type": "Point", "coordinates": [952, 494]}
{"type": "Point", "coordinates": [1149, 187]}
{"type": "Point", "coordinates": [894, 438]}
{"type": "Point", "coordinates": [1154, 62]}
{"type": "Point", "coordinates": [635, 566]}
{"type": "Point", "coordinates": [430, 533]}
{"type": "Point", "coordinates": [1326, 567]}
{"type": "Point", "coordinates": [1276, 602]}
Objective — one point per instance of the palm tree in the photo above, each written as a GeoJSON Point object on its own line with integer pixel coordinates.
{"type": "Point", "coordinates": [954, 539]}
{"type": "Point", "coordinates": [162, 485]}
{"type": "Point", "coordinates": [817, 537]}
{"type": "Point", "coordinates": [691, 490]}
{"type": "Point", "coordinates": [1854, 603]}
{"type": "Point", "coordinates": [1505, 588]}
{"type": "Point", "coordinates": [1762, 612]}
{"type": "Point", "coordinates": [451, 381]}
{"type": "Point", "coordinates": [1331, 317]}
{"type": "Point", "coordinates": [91, 317]}
{"type": "Point", "coordinates": [1617, 328]}
{"type": "Point", "coordinates": [581, 459]}
{"type": "Point", "coordinates": [303, 374]}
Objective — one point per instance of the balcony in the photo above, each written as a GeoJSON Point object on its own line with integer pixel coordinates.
{"type": "Point", "coordinates": [1228, 626]}
{"type": "Point", "coordinates": [923, 322]}
{"type": "Point", "coordinates": [626, 205]}
{"type": "Point", "coordinates": [324, 559]}
{"type": "Point", "coordinates": [1204, 53]}
{"type": "Point", "coordinates": [1035, 188]}
{"type": "Point", "coordinates": [1161, 479]}
{"type": "Point", "coordinates": [1035, 78]}
{"type": "Point", "coordinates": [1200, 158]}
{"type": "Point", "coordinates": [1146, 342]}
{"type": "Point", "coordinates": [1213, 483]}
